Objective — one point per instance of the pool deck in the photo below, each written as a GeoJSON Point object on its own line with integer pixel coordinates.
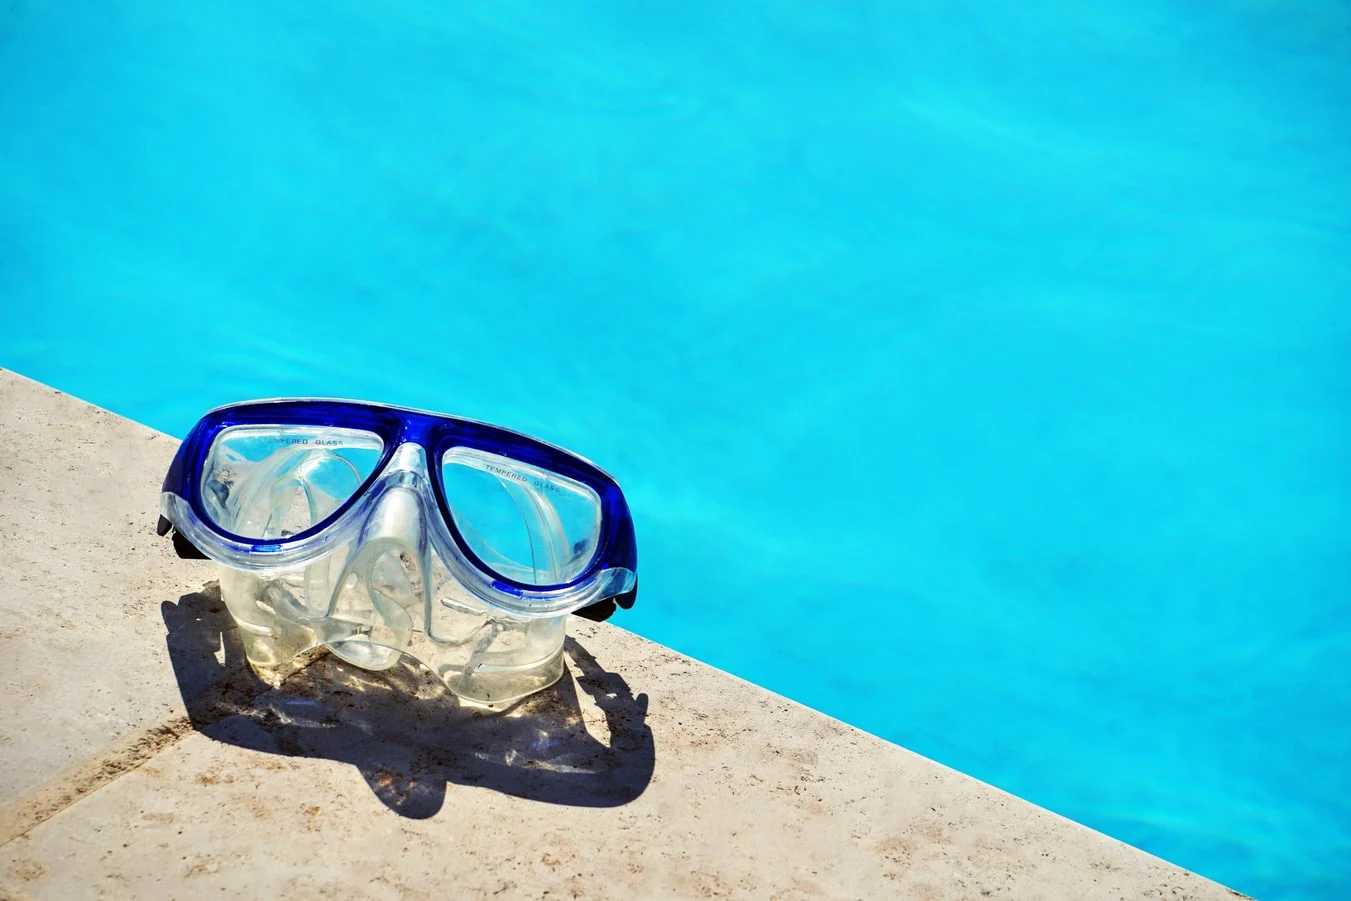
{"type": "Point", "coordinates": [142, 758]}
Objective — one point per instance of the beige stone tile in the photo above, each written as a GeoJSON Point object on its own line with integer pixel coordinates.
{"type": "Point", "coordinates": [82, 578]}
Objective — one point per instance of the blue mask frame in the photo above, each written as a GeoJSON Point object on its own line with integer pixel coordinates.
{"type": "Point", "coordinates": [614, 563]}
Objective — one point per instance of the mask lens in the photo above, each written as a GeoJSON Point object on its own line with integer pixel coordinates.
{"type": "Point", "coordinates": [273, 481]}
{"type": "Point", "coordinates": [527, 524]}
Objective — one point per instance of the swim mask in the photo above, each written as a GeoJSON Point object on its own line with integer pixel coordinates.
{"type": "Point", "coordinates": [380, 532]}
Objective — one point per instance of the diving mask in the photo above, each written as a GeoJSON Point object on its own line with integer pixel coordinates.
{"type": "Point", "coordinates": [379, 531]}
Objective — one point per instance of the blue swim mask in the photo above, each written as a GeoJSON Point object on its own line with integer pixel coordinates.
{"type": "Point", "coordinates": [381, 532]}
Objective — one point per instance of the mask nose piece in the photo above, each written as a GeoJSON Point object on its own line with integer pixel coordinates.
{"type": "Point", "coordinates": [384, 586]}
{"type": "Point", "coordinates": [397, 519]}
{"type": "Point", "coordinates": [407, 466]}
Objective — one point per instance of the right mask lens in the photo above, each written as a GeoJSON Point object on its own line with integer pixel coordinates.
{"type": "Point", "coordinates": [527, 524]}
{"type": "Point", "coordinates": [273, 481]}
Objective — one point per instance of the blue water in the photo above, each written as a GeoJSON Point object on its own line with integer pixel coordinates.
{"type": "Point", "coordinates": [978, 373]}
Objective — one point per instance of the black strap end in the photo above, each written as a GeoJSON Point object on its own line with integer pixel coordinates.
{"type": "Point", "coordinates": [603, 610]}
{"type": "Point", "coordinates": [185, 549]}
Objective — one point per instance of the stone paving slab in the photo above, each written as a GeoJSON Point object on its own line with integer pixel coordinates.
{"type": "Point", "coordinates": [642, 774]}
{"type": "Point", "coordinates": [81, 577]}
{"type": "Point", "coordinates": [645, 775]}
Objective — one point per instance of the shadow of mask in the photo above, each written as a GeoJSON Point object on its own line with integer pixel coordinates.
{"type": "Point", "coordinates": [406, 734]}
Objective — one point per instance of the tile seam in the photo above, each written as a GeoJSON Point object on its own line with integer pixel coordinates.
{"type": "Point", "coordinates": [32, 808]}
{"type": "Point", "coordinates": [40, 803]}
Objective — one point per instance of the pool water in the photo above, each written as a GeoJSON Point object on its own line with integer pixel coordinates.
{"type": "Point", "coordinates": [978, 373]}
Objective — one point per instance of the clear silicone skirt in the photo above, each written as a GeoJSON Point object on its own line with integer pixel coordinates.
{"type": "Point", "coordinates": [333, 529]}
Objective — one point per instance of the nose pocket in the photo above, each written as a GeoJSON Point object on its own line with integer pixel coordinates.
{"type": "Point", "coordinates": [379, 597]}
{"type": "Point", "coordinates": [381, 593]}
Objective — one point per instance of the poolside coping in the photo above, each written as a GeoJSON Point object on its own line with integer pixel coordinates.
{"type": "Point", "coordinates": [143, 758]}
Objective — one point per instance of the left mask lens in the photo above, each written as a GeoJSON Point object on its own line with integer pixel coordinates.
{"type": "Point", "coordinates": [268, 482]}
